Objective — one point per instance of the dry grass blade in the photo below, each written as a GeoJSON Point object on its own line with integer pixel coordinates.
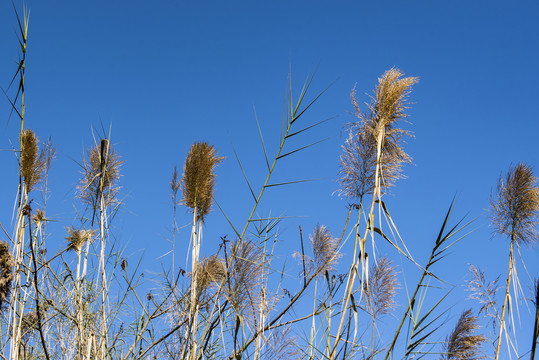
{"type": "Point", "coordinates": [463, 343]}
{"type": "Point", "coordinates": [198, 178]}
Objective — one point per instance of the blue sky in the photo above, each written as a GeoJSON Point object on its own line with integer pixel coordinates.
{"type": "Point", "coordinates": [164, 74]}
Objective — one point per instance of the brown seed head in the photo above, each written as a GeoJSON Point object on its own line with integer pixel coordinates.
{"type": "Point", "coordinates": [6, 267]}
{"type": "Point", "coordinates": [390, 100]}
{"type": "Point", "coordinates": [77, 238]}
{"type": "Point", "coordinates": [39, 217]}
{"type": "Point", "coordinates": [198, 178]}
{"type": "Point", "coordinates": [462, 344]}
{"type": "Point", "coordinates": [210, 271]}
{"type": "Point", "coordinates": [515, 210]}
{"type": "Point", "coordinates": [100, 173]}
{"type": "Point", "coordinates": [359, 158]}
{"type": "Point", "coordinates": [32, 162]}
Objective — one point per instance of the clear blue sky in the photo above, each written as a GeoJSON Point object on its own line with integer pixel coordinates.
{"type": "Point", "coordinates": [167, 73]}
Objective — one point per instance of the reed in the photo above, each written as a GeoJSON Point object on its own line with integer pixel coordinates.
{"type": "Point", "coordinates": [237, 297]}
{"type": "Point", "coordinates": [514, 212]}
{"type": "Point", "coordinates": [463, 343]}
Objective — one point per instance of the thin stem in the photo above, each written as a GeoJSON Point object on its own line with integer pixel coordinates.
{"type": "Point", "coordinates": [38, 310]}
{"type": "Point", "coordinates": [536, 327]}
{"type": "Point", "coordinates": [364, 270]}
{"type": "Point", "coordinates": [506, 298]}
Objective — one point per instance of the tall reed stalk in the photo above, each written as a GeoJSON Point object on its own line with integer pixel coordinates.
{"type": "Point", "coordinates": [197, 186]}
{"type": "Point", "coordinates": [514, 213]}
{"type": "Point", "coordinates": [371, 162]}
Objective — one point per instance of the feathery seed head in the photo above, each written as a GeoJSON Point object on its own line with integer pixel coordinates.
{"type": "Point", "coordinates": [198, 178]}
{"type": "Point", "coordinates": [357, 164]}
{"type": "Point", "coordinates": [77, 238]}
{"type": "Point", "coordinates": [39, 217]}
{"type": "Point", "coordinates": [6, 268]}
{"type": "Point", "coordinates": [209, 272]}
{"type": "Point", "coordinates": [174, 185]}
{"type": "Point", "coordinates": [515, 210]}
{"type": "Point", "coordinates": [100, 173]}
{"type": "Point", "coordinates": [382, 288]}
{"type": "Point", "coordinates": [462, 344]}
{"type": "Point", "coordinates": [378, 124]}
{"type": "Point", "coordinates": [245, 270]}
{"type": "Point", "coordinates": [390, 101]}
{"type": "Point", "coordinates": [325, 252]}
{"type": "Point", "coordinates": [32, 161]}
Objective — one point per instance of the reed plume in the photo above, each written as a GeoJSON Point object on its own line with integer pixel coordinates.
{"type": "Point", "coordinates": [325, 252]}
{"type": "Point", "coordinates": [210, 272]}
{"type": "Point", "coordinates": [77, 238]}
{"type": "Point", "coordinates": [372, 161]}
{"type": "Point", "coordinates": [375, 138]}
{"type": "Point", "coordinates": [483, 292]}
{"type": "Point", "coordinates": [198, 179]}
{"type": "Point", "coordinates": [356, 164]}
{"type": "Point", "coordinates": [174, 186]}
{"type": "Point", "coordinates": [463, 344]}
{"type": "Point", "coordinates": [515, 210]}
{"type": "Point", "coordinates": [100, 172]}
{"type": "Point", "coordinates": [197, 186]}
{"type": "Point", "coordinates": [380, 294]}
{"type": "Point", "coordinates": [32, 161]}
{"type": "Point", "coordinates": [6, 267]}
{"type": "Point", "coordinates": [245, 270]}
{"type": "Point", "coordinates": [282, 344]}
